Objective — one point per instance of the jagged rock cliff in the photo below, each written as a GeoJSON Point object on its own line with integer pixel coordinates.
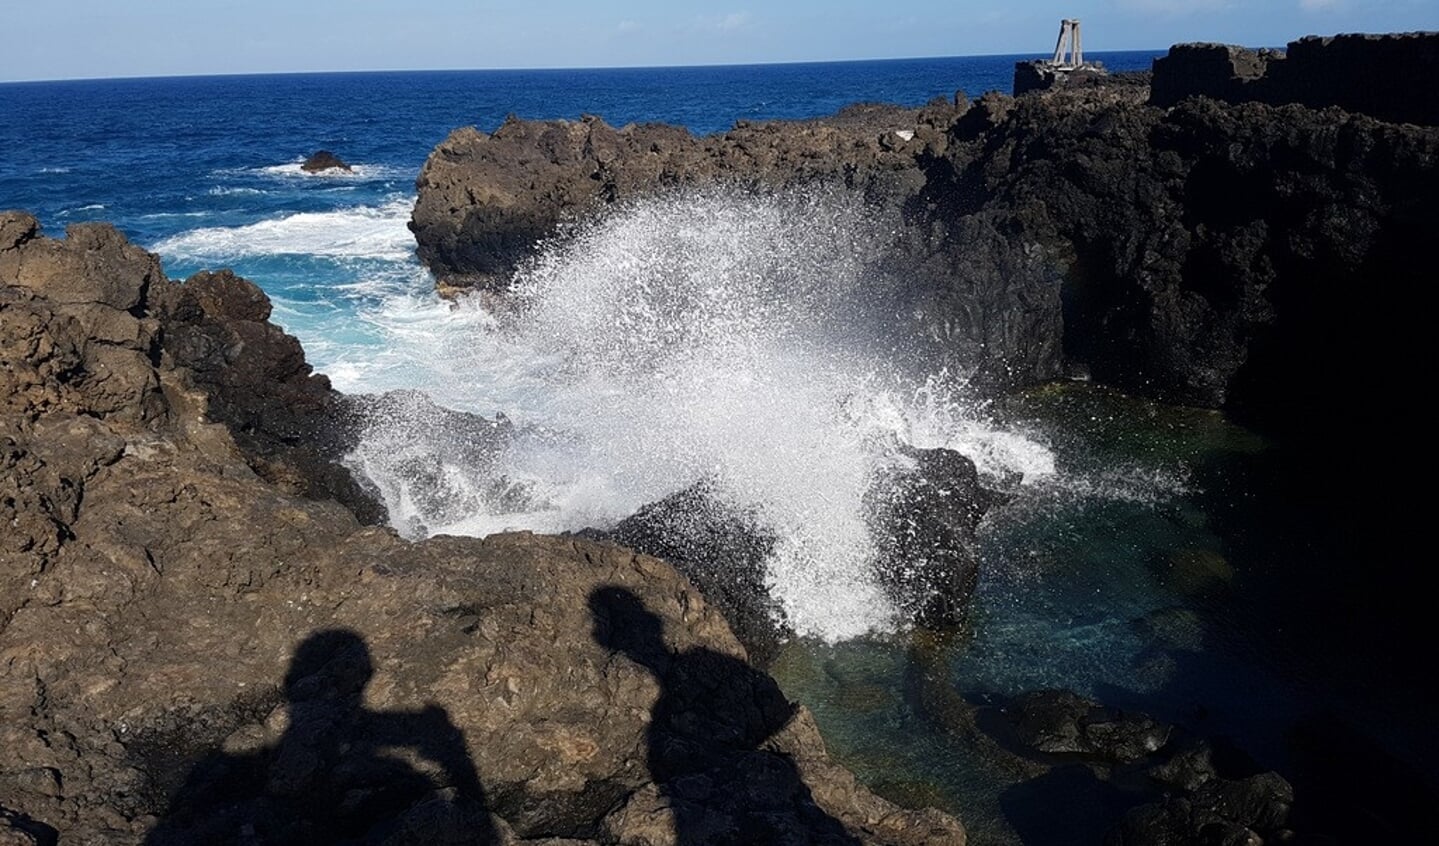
{"type": "Point", "coordinates": [1390, 77]}
{"type": "Point", "coordinates": [199, 644]}
{"type": "Point", "coordinates": [1205, 253]}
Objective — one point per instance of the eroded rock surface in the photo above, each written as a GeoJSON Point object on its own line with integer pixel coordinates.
{"type": "Point", "coordinates": [1206, 253]}
{"type": "Point", "coordinates": [197, 647]}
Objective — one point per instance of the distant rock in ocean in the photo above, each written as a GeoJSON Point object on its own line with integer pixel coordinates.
{"type": "Point", "coordinates": [324, 160]}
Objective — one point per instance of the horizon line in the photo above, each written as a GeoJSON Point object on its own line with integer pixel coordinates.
{"type": "Point", "coordinates": [780, 62]}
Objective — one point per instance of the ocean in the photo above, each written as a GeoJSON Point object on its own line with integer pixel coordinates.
{"type": "Point", "coordinates": [1111, 574]}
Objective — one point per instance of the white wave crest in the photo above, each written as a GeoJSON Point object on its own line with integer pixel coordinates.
{"type": "Point", "coordinates": [713, 336]}
{"type": "Point", "coordinates": [293, 170]}
{"type": "Point", "coordinates": [368, 232]}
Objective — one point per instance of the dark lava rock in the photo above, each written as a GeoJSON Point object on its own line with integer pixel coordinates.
{"type": "Point", "coordinates": [924, 518]}
{"type": "Point", "coordinates": [196, 653]}
{"type": "Point", "coordinates": [1386, 76]}
{"type": "Point", "coordinates": [924, 515]}
{"type": "Point", "coordinates": [1043, 76]}
{"type": "Point", "coordinates": [486, 200]}
{"type": "Point", "coordinates": [720, 547]}
{"type": "Point", "coordinates": [323, 160]}
{"type": "Point", "coordinates": [441, 463]}
{"type": "Point", "coordinates": [1061, 722]}
{"type": "Point", "coordinates": [1206, 254]}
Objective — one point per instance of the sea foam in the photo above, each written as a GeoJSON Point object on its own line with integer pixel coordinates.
{"type": "Point", "coordinates": [372, 232]}
{"type": "Point", "coordinates": [710, 336]}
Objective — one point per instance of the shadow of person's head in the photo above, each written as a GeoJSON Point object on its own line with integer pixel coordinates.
{"type": "Point", "coordinates": [329, 666]}
{"type": "Point", "coordinates": [623, 624]}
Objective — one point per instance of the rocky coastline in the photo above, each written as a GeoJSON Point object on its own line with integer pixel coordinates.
{"type": "Point", "coordinates": [197, 617]}
{"type": "Point", "coordinates": [202, 612]}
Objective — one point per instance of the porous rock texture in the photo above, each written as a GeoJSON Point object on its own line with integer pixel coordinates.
{"type": "Point", "coordinates": [487, 199]}
{"type": "Point", "coordinates": [199, 644]}
{"type": "Point", "coordinates": [1208, 253]}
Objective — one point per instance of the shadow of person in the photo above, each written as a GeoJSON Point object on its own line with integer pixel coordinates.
{"type": "Point", "coordinates": [706, 734]}
{"type": "Point", "coordinates": [340, 773]}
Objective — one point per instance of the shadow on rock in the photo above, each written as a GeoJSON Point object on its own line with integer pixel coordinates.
{"type": "Point", "coordinates": [707, 738]}
{"type": "Point", "coordinates": [340, 773]}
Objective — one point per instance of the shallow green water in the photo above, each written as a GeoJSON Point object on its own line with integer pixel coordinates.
{"type": "Point", "coordinates": [1116, 581]}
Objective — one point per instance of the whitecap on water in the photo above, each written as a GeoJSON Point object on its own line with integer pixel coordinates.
{"type": "Point", "coordinates": [293, 170]}
{"type": "Point", "coordinates": [234, 191]}
{"type": "Point", "coordinates": [370, 232]}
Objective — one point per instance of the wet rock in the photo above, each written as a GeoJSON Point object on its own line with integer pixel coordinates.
{"type": "Point", "coordinates": [195, 653]}
{"type": "Point", "coordinates": [1060, 722]}
{"type": "Point", "coordinates": [924, 518]}
{"type": "Point", "coordinates": [1202, 806]}
{"type": "Point", "coordinates": [439, 463]}
{"type": "Point", "coordinates": [323, 160]}
{"type": "Point", "coordinates": [722, 548]}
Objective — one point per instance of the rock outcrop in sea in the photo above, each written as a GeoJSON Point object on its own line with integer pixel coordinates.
{"type": "Point", "coordinates": [202, 640]}
{"type": "Point", "coordinates": [323, 160]}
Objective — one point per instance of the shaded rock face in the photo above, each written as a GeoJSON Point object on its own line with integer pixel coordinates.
{"type": "Point", "coordinates": [924, 515]}
{"type": "Point", "coordinates": [324, 160]}
{"type": "Point", "coordinates": [924, 520]}
{"type": "Point", "coordinates": [721, 549]}
{"type": "Point", "coordinates": [487, 200]}
{"type": "Point", "coordinates": [1389, 77]}
{"type": "Point", "coordinates": [1206, 254]}
{"type": "Point", "coordinates": [193, 653]}
{"type": "Point", "coordinates": [1059, 722]}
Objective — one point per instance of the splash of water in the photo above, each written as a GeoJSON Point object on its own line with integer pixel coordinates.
{"type": "Point", "coordinates": [713, 336]}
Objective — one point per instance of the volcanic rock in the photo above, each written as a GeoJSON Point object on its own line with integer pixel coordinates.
{"type": "Point", "coordinates": [1204, 254]}
{"type": "Point", "coordinates": [323, 160]}
{"type": "Point", "coordinates": [1389, 77]}
{"type": "Point", "coordinates": [487, 200]}
{"type": "Point", "coordinates": [722, 549]}
{"type": "Point", "coordinates": [191, 652]}
{"type": "Point", "coordinates": [924, 520]}
{"type": "Point", "coordinates": [1060, 722]}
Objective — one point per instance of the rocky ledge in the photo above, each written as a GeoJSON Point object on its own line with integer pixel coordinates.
{"type": "Point", "coordinates": [202, 642]}
{"type": "Point", "coordinates": [1178, 246]}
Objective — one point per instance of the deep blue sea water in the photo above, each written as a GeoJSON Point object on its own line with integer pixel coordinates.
{"type": "Point", "coordinates": [205, 172]}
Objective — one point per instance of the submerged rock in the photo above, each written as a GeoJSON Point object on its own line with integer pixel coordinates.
{"type": "Point", "coordinates": [323, 160]}
{"type": "Point", "coordinates": [1060, 722]}
{"type": "Point", "coordinates": [196, 653]}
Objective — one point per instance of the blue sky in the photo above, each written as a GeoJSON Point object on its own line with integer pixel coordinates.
{"type": "Point", "coordinates": [101, 38]}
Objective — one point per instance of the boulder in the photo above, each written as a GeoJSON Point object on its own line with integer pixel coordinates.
{"type": "Point", "coordinates": [722, 549]}
{"type": "Point", "coordinates": [1060, 722]}
{"type": "Point", "coordinates": [323, 160]}
{"type": "Point", "coordinates": [924, 515]}
{"type": "Point", "coordinates": [195, 653]}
